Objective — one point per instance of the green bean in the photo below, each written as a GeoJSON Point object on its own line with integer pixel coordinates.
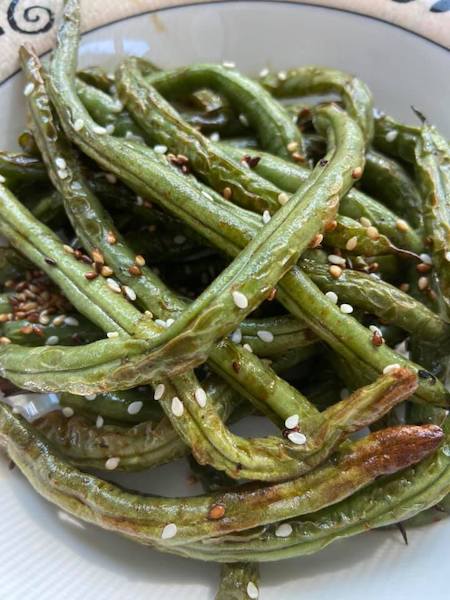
{"type": "Point", "coordinates": [12, 264]}
{"type": "Point", "coordinates": [19, 332]}
{"type": "Point", "coordinates": [238, 581]}
{"type": "Point", "coordinates": [395, 139]}
{"type": "Point", "coordinates": [21, 169]}
{"type": "Point", "coordinates": [97, 77]}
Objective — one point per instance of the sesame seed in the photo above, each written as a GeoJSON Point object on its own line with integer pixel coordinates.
{"type": "Point", "coordinates": [139, 201]}
{"type": "Point", "coordinates": [248, 348]}
{"type": "Point", "coordinates": [389, 368]}
{"type": "Point", "coordinates": [266, 217]}
{"type": "Point", "coordinates": [402, 225]}
{"type": "Point", "coordinates": [99, 422]}
{"type": "Point", "coordinates": [404, 287]}
{"type": "Point", "coordinates": [332, 296]}
{"type": "Point", "coordinates": [391, 136]}
{"type": "Point", "coordinates": [243, 119]}
{"type": "Point", "coordinates": [200, 396]}
{"type": "Point", "coordinates": [179, 239]}
{"type": "Point", "coordinates": [139, 260]}
{"type": "Point", "coordinates": [52, 340]}
{"type": "Point", "coordinates": [59, 320]}
{"type": "Point", "coordinates": [227, 193]}
{"type": "Point", "coordinates": [159, 391]}
{"type": "Point", "coordinates": [292, 146]}
{"type": "Point", "coordinates": [357, 172]}
{"type": "Point", "coordinates": [170, 322]}
{"type": "Point", "coordinates": [335, 271]}
{"type": "Point", "coordinates": [334, 259]}
{"type": "Point", "coordinates": [228, 64]}
{"type": "Point", "coordinates": [283, 530]}
{"type": "Point", "coordinates": [68, 412]}
{"type": "Point", "coordinates": [113, 285]}
{"type": "Point", "coordinates": [99, 130]}
{"type": "Point", "coordinates": [422, 283]}
{"type": "Point", "coordinates": [216, 512]}
{"type": "Point", "coordinates": [91, 397]}
{"type": "Point", "coordinates": [91, 275]}
{"type": "Point", "coordinates": [265, 336]}
{"type": "Point", "coordinates": [292, 422]}
{"type": "Point", "coordinates": [282, 75]}
{"type": "Point", "coordinates": [169, 531]}
{"type": "Point", "coordinates": [283, 198]}
{"type": "Point", "coordinates": [68, 249]}
{"type": "Point", "coordinates": [148, 313]}
{"type": "Point", "coordinates": [347, 309]}
{"type": "Point", "coordinates": [112, 463]}
{"type": "Point", "coordinates": [365, 222]}
{"type": "Point", "coordinates": [4, 341]}
{"type": "Point", "coordinates": [330, 226]}
{"type": "Point", "coordinates": [110, 129]}
{"type": "Point", "coordinates": [215, 136]}
{"type": "Point", "coordinates": [297, 438]}
{"type": "Point", "coordinates": [426, 258]}
{"type": "Point", "coordinates": [60, 163]}
{"type": "Point", "coordinates": [236, 336]}
{"type": "Point", "coordinates": [351, 243]}
{"type": "Point", "coordinates": [62, 174]}
{"type": "Point", "coordinates": [160, 149]}
{"type": "Point", "coordinates": [264, 72]}
{"type": "Point", "coordinates": [240, 299]}
{"type": "Point", "coordinates": [447, 256]}
{"type": "Point", "coordinates": [110, 178]}
{"type": "Point", "coordinates": [177, 407]}
{"type": "Point", "coordinates": [2, 179]}
{"type": "Point", "coordinates": [375, 329]}
{"type": "Point", "coordinates": [111, 238]}
{"type": "Point", "coordinates": [160, 323]}
{"type": "Point", "coordinates": [252, 591]}
{"type": "Point", "coordinates": [130, 293]}
{"type": "Point", "coordinates": [316, 241]}
{"type": "Point", "coordinates": [28, 89]}
{"type": "Point", "coordinates": [373, 233]}
{"type": "Point", "coordinates": [135, 407]}
{"type": "Point", "coordinates": [78, 125]}
{"type": "Point", "coordinates": [112, 334]}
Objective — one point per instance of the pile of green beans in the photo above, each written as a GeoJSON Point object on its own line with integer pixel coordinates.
{"type": "Point", "coordinates": [166, 278]}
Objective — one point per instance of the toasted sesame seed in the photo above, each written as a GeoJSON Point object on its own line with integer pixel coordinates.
{"type": "Point", "coordinates": [106, 271]}
{"type": "Point", "coordinates": [111, 238]}
{"type": "Point", "coordinates": [334, 259]}
{"type": "Point", "coordinates": [139, 260]}
{"type": "Point", "coordinates": [136, 271]}
{"type": "Point", "coordinates": [236, 336]}
{"type": "Point", "coordinates": [112, 334]}
{"type": "Point", "coordinates": [330, 226]}
{"type": "Point", "coordinates": [391, 135]}
{"type": "Point", "coordinates": [316, 241]}
{"type": "Point", "coordinates": [335, 271]}
{"type": "Point", "coordinates": [60, 162]}
{"type": "Point", "coordinates": [365, 222]}
{"type": "Point", "coordinates": [266, 217]}
{"type": "Point", "coordinates": [292, 146]}
{"type": "Point", "coordinates": [28, 89]}
{"type": "Point", "coordinates": [422, 283]}
{"type": "Point", "coordinates": [248, 348]}
{"type": "Point", "coordinates": [240, 299]}
{"type": "Point", "coordinates": [265, 336]}
{"type": "Point", "coordinates": [227, 193]}
{"type": "Point", "coordinates": [44, 319]}
{"type": "Point", "coordinates": [215, 136]}
{"type": "Point", "coordinates": [2, 179]}
{"type": "Point", "coordinates": [292, 422]}
{"type": "Point", "coordinates": [100, 421]}
{"type": "Point", "coordinates": [135, 407]}
{"type": "Point", "coordinates": [160, 149]}
{"type": "Point", "coordinates": [373, 233]}
{"type": "Point", "coordinates": [297, 438]}
{"type": "Point", "coordinates": [91, 397]}
{"type": "Point", "coordinates": [229, 64]}
{"type": "Point", "coordinates": [159, 391]}
{"type": "Point", "coordinates": [91, 275]}
{"type": "Point", "coordinates": [357, 172]}
{"type": "Point", "coordinates": [200, 396]}
{"type": "Point", "coordinates": [4, 341]}
{"type": "Point", "coordinates": [264, 72]}
{"type": "Point", "coordinates": [99, 130]}
{"type": "Point", "coordinates": [52, 340]}
{"type": "Point", "coordinates": [347, 309]}
{"type": "Point", "coordinates": [113, 285]}
{"type": "Point", "coordinates": [68, 249]}
{"type": "Point", "coordinates": [129, 293]}
{"type": "Point", "coordinates": [283, 198]}
{"type": "Point", "coordinates": [426, 258]}
{"type": "Point", "coordinates": [78, 125]}
{"type": "Point", "coordinates": [169, 531]}
{"type": "Point", "coordinates": [283, 530]}
{"type": "Point", "coordinates": [111, 178]}
{"type": "Point", "coordinates": [402, 225]}
{"type": "Point", "coordinates": [404, 287]}
{"type": "Point", "coordinates": [216, 512]}
{"type": "Point", "coordinates": [332, 296]}
{"type": "Point", "coordinates": [389, 368]}
{"type": "Point", "coordinates": [351, 243]}
{"type": "Point", "coordinates": [112, 463]}
{"type": "Point", "coordinates": [68, 411]}
{"type": "Point", "coordinates": [177, 407]}
{"type": "Point", "coordinates": [59, 320]}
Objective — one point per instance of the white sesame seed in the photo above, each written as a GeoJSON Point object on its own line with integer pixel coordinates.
{"type": "Point", "coordinates": [402, 225]}
{"type": "Point", "coordinates": [111, 178]}
{"type": "Point", "coordinates": [365, 222]}
{"type": "Point", "coordinates": [389, 368]}
{"type": "Point", "coordinates": [99, 130]}
{"type": "Point", "coordinates": [282, 75]}
{"type": "Point", "coordinates": [332, 296]}
{"type": "Point", "coordinates": [135, 407]}
{"type": "Point", "coordinates": [297, 438]}
{"type": "Point", "coordinates": [28, 89]}
{"type": "Point", "coordinates": [292, 146]}
{"type": "Point", "coordinates": [179, 239]}
{"type": "Point", "coordinates": [344, 393]}
{"type": "Point", "coordinates": [292, 422]}
{"type": "Point", "coordinates": [373, 233]}
{"type": "Point", "coordinates": [177, 407]}
{"type": "Point", "coordinates": [160, 323]}
{"type": "Point", "coordinates": [2, 179]}
{"type": "Point", "coordinates": [243, 119]}
{"type": "Point", "coordinates": [99, 422]}
{"type": "Point", "coordinates": [91, 397]}
{"type": "Point", "coordinates": [352, 243]}
{"type": "Point", "coordinates": [139, 200]}
{"type": "Point", "coordinates": [283, 530]}
{"type": "Point", "coordinates": [169, 531]}
{"type": "Point", "coordinates": [52, 340]}
{"type": "Point", "coordinates": [265, 336]}
{"type": "Point", "coordinates": [240, 299]}
{"type": "Point", "coordinates": [252, 591]}
{"type": "Point", "coordinates": [113, 285]}
{"type": "Point", "coordinates": [426, 258]}
{"type": "Point", "coordinates": [112, 463]}
{"type": "Point", "coordinates": [112, 334]}
{"type": "Point", "coordinates": [78, 125]}
{"type": "Point", "coordinates": [215, 136]}
{"type": "Point", "coordinates": [200, 396]}
{"type": "Point", "coordinates": [110, 129]}
{"type": "Point", "coordinates": [236, 336]}
{"type": "Point", "coordinates": [375, 276]}
{"type": "Point", "coordinates": [228, 64]}
{"type": "Point", "coordinates": [347, 309]}
{"type": "Point", "coordinates": [422, 283]}
{"type": "Point", "coordinates": [71, 322]}
{"type": "Point", "coordinates": [334, 259]}
{"type": "Point", "coordinates": [160, 149]}
{"type": "Point", "coordinates": [60, 163]}
{"type": "Point", "coordinates": [68, 412]}
{"type": "Point", "coordinates": [266, 217]}
{"type": "Point", "coordinates": [264, 72]}
{"type": "Point", "coordinates": [283, 198]}
{"type": "Point", "coordinates": [159, 391]}
{"type": "Point", "coordinates": [129, 293]}
{"type": "Point", "coordinates": [375, 329]}
{"type": "Point", "coordinates": [391, 136]}
{"type": "Point", "coordinates": [169, 322]}
{"type": "Point", "coordinates": [62, 173]}
{"type": "Point", "coordinates": [248, 348]}
{"type": "Point", "coordinates": [447, 256]}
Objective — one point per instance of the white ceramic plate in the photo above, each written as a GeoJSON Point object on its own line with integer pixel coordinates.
{"type": "Point", "coordinates": [47, 556]}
